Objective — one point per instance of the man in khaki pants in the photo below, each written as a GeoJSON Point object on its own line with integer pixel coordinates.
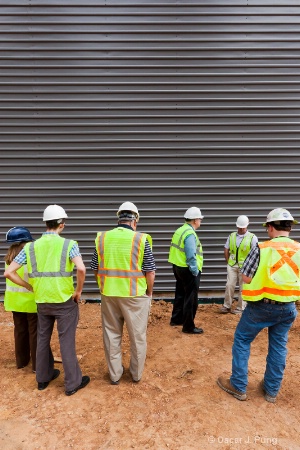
{"type": "Point", "coordinates": [236, 249]}
{"type": "Point", "coordinates": [124, 268]}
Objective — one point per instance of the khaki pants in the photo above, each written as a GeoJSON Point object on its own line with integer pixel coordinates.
{"type": "Point", "coordinates": [134, 311]}
{"type": "Point", "coordinates": [234, 277]}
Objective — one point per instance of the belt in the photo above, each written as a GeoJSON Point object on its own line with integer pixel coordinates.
{"type": "Point", "coordinates": [271, 302]}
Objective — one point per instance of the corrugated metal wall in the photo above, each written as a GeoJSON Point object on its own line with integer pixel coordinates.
{"type": "Point", "coordinates": [167, 104]}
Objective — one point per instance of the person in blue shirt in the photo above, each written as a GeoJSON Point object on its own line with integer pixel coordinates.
{"type": "Point", "coordinates": [187, 259]}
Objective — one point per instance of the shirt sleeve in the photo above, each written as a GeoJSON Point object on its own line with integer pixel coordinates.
{"type": "Point", "coordinates": [94, 261]}
{"type": "Point", "coordinates": [74, 251]}
{"type": "Point", "coordinates": [251, 263]}
{"type": "Point", "coordinates": [227, 243]}
{"type": "Point", "coordinates": [21, 258]}
{"type": "Point", "coordinates": [148, 261]}
{"type": "Point", "coordinates": [190, 253]}
{"type": "Point", "coordinates": [254, 241]}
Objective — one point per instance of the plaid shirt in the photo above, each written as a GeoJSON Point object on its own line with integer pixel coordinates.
{"type": "Point", "coordinates": [251, 263]}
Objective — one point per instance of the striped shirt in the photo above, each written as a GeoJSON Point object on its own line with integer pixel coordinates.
{"type": "Point", "coordinates": [251, 263]}
{"type": "Point", "coordinates": [22, 259]}
{"type": "Point", "coordinates": [148, 260]}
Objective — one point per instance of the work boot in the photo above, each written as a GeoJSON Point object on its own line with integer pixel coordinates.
{"type": "Point", "coordinates": [268, 397]}
{"type": "Point", "coordinates": [224, 383]}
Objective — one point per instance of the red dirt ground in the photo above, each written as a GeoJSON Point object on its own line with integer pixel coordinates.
{"type": "Point", "coordinates": [176, 406]}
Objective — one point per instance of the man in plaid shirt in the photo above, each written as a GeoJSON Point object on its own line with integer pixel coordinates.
{"type": "Point", "coordinates": [272, 273]}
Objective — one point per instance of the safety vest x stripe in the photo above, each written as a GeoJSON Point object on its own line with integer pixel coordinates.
{"type": "Point", "coordinates": [198, 252]}
{"type": "Point", "coordinates": [63, 260]}
{"type": "Point", "coordinates": [133, 274]}
{"type": "Point", "coordinates": [285, 256]}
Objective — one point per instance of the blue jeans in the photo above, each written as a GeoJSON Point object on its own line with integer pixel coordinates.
{"type": "Point", "coordinates": [278, 319]}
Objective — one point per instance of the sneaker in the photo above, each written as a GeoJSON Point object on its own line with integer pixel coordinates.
{"type": "Point", "coordinates": [42, 386]}
{"type": "Point", "coordinates": [267, 396]}
{"type": "Point", "coordinates": [236, 311]}
{"type": "Point", "coordinates": [224, 383]}
{"type": "Point", "coordinates": [224, 310]}
{"type": "Point", "coordinates": [85, 380]}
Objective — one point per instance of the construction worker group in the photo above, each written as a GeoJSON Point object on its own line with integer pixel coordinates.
{"type": "Point", "coordinates": [40, 290]}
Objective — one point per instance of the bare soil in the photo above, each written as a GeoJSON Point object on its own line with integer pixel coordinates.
{"type": "Point", "coordinates": [176, 406]}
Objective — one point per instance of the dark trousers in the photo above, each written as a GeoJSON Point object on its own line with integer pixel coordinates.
{"type": "Point", "coordinates": [186, 297]}
{"type": "Point", "coordinates": [66, 316]}
{"type": "Point", "coordinates": [25, 334]}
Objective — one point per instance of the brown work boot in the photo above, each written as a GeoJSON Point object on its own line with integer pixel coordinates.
{"type": "Point", "coordinates": [267, 396]}
{"type": "Point", "coordinates": [224, 383]}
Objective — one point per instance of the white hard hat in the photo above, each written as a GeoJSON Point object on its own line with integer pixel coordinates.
{"type": "Point", "coordinates": [125, 209]}
{"type": "Point", "coordinates": [279, 214]}
{"type": "Point", "coordinates": [54, 212]}
{"type": "Point", "coordinates": [193, 213]}
{"type": "Point", "coordinates": [242, 222]}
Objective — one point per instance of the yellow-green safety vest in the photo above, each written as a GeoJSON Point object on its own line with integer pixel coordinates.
{"type": "Point", "coordinates": [278, 276]}
{"type": "Point", "coordinates": [17, 298]}
{"type": "Point", "coordinates": [50, 269]}
{"type": "Point", "coordinates": [120, 258]}
{"type": "Point", "coordinates": [239, 254]}
{"type": "Point", "coordinates": [177, 254]}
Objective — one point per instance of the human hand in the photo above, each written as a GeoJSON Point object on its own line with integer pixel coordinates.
{"type": "Point", "coordinates": [76, 296]}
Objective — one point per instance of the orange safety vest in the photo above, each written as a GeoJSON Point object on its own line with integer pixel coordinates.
{"type": "Point", "coordinates": [278, 274]}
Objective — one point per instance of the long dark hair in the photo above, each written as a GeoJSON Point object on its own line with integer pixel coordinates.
{"type": "Point", "coordinates": [13, 251]}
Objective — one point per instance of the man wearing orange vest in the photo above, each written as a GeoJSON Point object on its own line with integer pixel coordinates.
{"type": "Point", "coordinates": [271, 272]}
{"type": "Point", "coordinates": [124, 268]}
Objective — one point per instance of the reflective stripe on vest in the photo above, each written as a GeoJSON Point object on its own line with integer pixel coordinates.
{"type": "Point", "coordinates": [181, 249]}
{"type": "Point", "coordinates": [15, 287]}
{"type": "Point", "coordinates": [63, 259]}
{"type": "Point", "coordinates": [17, 298]}
{"type": "Point", "coordinates": [239, 254]}
{"type": "Point", "coordinates": [177, 254]}
{"type": "Point", "coordinates": [134, 273]}
{"type": "Point", "coordinates": [277, 276]}
{"type": "Point", "coordinates": [285, 256]}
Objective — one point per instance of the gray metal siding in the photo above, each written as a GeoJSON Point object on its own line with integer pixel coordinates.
{"type": "Point", "coordinates": [168, 105]}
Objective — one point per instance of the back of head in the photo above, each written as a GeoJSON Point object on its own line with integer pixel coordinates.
{"type": "Point", "coordinates": [17, 237]}
{"type": "Point", "coordinates": [18, 234]}
{"type": "Point", "coordinates": [54, 215]}
{"type": "Point", "coordinates": [281, 219]}
{"type": "Point", "coordinates": [193, 213]}
{"type": "Point", "coordinates": [127, 212]}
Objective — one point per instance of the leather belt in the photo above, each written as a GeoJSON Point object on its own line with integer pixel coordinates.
{"type": "Point", "coordinates": [271, 302]}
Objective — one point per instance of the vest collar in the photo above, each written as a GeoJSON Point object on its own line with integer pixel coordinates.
{"type": "Point", "coordinates": [125, 226]}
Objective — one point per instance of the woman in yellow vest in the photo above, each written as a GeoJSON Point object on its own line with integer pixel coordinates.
{"type": "Point", "coordinates": [50, 261]}
{"type": "Point", "coordinates": [21, 302]}
{"type": "Point", "coordinates": [272, 276]}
